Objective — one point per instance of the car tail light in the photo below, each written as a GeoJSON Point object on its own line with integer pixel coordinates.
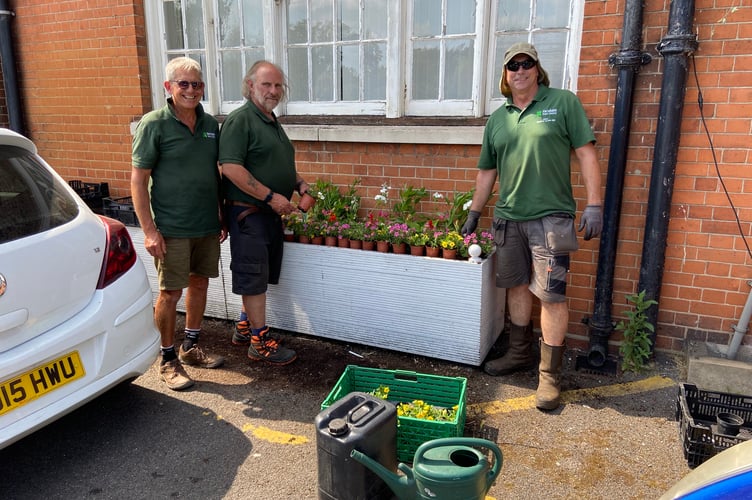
{"type": "Point", "coordinates": [119, 252]}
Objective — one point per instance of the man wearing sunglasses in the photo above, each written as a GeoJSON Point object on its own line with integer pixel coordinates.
{"type": "Point", "coordinates": [527, 146]}
{"type": "Point", "coordinates": [175, 187]}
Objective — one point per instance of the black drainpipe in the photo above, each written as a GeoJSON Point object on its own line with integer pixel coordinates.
{"type": "Point", "coordinates": [628, 60]}
{"type": "Point", "coordinates": [12, 96]}
{"type": "Point", "coordinates": [676, 47]}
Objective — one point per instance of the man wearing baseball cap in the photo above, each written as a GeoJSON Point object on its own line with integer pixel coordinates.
{"type": "Point", "coordinates": [527, 145]}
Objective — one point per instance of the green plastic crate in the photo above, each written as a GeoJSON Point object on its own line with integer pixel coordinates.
{"type": "Point", "coordinates": [406, 387]}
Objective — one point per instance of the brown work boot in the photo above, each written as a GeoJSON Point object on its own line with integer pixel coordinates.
{"type": "Point", "coordinates": [196, 357]}
{"type": "Point", "coordinates": [547, 397]}
{"type": "Point", "coordinates": [173, 374]}
{"type": "Point", "coordinates": [519, 355]}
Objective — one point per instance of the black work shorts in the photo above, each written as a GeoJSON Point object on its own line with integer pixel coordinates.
{"type": "Point", "coordinates": [256, 245]}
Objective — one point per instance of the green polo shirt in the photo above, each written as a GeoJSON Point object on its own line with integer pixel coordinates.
{"type": "Point", "coordinates": [252, 139]}
{"type": "Point", "coordinates": [531, 151]}
{"type": "Point", "coordinates": [184, 175]}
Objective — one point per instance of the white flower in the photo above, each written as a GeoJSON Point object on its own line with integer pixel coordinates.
{"type": "Point", "coordinates": [380, 198]}
{"type": "Point", "coordinates": [321, 196]}
{"type": "Point", "coordinates": [467, 205]}
{"type": "Point", "coordinates": [385, 189]}
{"type": "Point", "coordinates": [438, 196]}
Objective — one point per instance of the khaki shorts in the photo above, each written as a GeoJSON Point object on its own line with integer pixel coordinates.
{"type": "Point", "coordinates": [187, 256]}
{"type": "Point", "coordinates": [535, 252]}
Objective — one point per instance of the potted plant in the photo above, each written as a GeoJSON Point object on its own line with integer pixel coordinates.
{"type": "Point", "coordinates": [398, 232]}
{"type": "Point", "coordinates": [450, 242]}
{"type": "Point", "coordinates": [484, 240]}
{"type": "Point", "coordinates": [417, 240]}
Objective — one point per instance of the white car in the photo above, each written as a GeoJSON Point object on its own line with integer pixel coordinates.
{"type": "Point", "coordinates": [76, 316]}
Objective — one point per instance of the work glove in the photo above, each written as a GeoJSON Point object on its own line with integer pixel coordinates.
{"type": "Point", "coordinates": [471, 223]}
{"type": "Point", "coordinates": [592, 221]}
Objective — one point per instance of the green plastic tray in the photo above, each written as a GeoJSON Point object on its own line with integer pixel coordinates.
{"type": "Point", "coordinates": [406, 387]}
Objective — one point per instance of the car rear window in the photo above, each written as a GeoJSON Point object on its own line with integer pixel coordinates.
{"type": "Point", "coordinates": [32, 199]}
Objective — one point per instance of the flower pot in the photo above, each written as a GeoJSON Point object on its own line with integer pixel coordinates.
{"type": "Point", "coordinates": [449, 253]}
{"type": "Point", "coordinates": [417, 250]}
{"type": "Point", "coordinates": [317, 240]}
{"type": "Point", "coordinates": [369, 245]}
{"type": "Point", "coordinates": [289, 236]}
{"type": "Point", "coordinates": [343, 242]}
{"type": "Point", "coordinates": [382, 246]}
{"type": "Point", "coordinates": [306, 202]}
{"type": "Point", "coordinates": [356, 244]}
{"type": "Point", "coordinates": [304, 239]}
{"type": "Point", "coordinates": [330, 241]}
{"type": "Point", "coordinates": [433, 251]}
{"type": "Point", "coordinates": [399, 247]}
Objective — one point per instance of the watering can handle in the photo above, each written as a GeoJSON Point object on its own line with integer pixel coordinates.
{"type": "Point", "coordinates": [466, 441]}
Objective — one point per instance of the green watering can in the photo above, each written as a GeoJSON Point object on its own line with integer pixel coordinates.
{"type": "Point", "coordinates": [443, 469]}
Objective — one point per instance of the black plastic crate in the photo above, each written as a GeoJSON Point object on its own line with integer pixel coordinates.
{"type": "Point", "coordinates": [697, 412]}
{"type": "Point", "coordinates": [93, 193]}
{"type": "Point", "coordinates": [121, 209]}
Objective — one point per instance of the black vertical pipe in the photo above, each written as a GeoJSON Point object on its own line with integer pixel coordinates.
{"type": "Point", "coordinates": [628, 60]}
{"type": "Point", "coordinates": [676, 47]}
{"type": "Point", "coordinates": [12, 95]}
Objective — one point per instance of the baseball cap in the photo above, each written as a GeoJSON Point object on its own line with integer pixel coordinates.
{"type": "Point", "coordinates": [520, 48]}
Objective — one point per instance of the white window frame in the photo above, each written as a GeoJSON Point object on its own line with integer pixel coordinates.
{"type": "Point", "coordinates": [398, 102]}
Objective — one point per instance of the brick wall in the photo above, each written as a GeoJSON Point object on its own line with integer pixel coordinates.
{"type": "Point", "coordinates": [84, 75]}
{"type": "Point", "coordinates": [85, 78]}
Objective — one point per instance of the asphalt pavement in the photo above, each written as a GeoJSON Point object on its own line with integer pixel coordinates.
{"type": "Point", "coordinates": [245, 431]}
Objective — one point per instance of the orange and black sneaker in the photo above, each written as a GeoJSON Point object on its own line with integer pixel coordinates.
{"type": "Point", "coordinates": [266, 348]}
{"type": "Point", "coordinates": [242, 333]}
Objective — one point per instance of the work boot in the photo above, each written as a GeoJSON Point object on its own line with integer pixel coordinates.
{"type": "Point", "coordinates": [195, 356]}
{"type": "Point", "coordinates": [549, 377]}
{"type": "Point", "coordinates": [173, 374]}
{"type": "Point", "coordinates": [264, 348]}
{"type": "Point", "coordinates": [519, 355]}
{"type": "Point", "coordinates": [242, 334]}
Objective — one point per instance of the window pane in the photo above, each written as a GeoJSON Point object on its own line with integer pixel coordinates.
{"type": "Point", "coordinates": [194, 20]}
{"type": "Point", "coordinates": [374, 20]}
{"type": "Point", "coordinates": [229, 24]}
{"type": "Point", "coordinates": [513, 15]}
{"type": "Point", "coordinates": [173, 25]}
{"type": "Point", "coordinates": [253, 22]}
{"type": "Point", "coordinates": [374, 78]}
{"type": "Point", "coordinates": [459, 61]}
{"type": "Point", "coordinates": [425, 71]}
{"type": "Point", "coordinates": [297, 21]}
{"type": "Point", "coordinates": [251, 56]}
{"type": "Point", "coordinates": [349, 25]}
{"type": "Point", "coordinates": [349, 69]}
{"type": "Point", "coordinates": [231, 75]}
{"type": "Point", "coordinates": [297, 73]}
{"type": "Point", "coordinates": [552, 14]}
{"type": "Point", "coordinates": [321, 21]}
{"type": "Point", "coordinates": [321, 71]}
{"type": "Point", "coordinates": [426, 18]}
{"type": "Point", "coordinates": [460, 17]}
{"type": "Point", "coordinates": [551, 47]}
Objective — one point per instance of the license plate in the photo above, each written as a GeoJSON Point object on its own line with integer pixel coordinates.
{"type": "Point", "coordinates": [41, 380]}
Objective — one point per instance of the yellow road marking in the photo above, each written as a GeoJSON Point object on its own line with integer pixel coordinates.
{"type": "Point", "coordinates": [528, 402]}
{"type": "Point", "coordinates": [273, 436]}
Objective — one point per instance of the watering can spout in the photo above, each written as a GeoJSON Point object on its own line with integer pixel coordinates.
{"type": "Point", "coordinates": [402, 486]}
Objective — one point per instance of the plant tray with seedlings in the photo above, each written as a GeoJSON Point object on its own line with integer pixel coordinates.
{"type": "Point", "coordinates": [703, 427]}
{"type": "Point", "coordinates": [408, 387]}
{"type": "Point", "coordinates": [121, 209]}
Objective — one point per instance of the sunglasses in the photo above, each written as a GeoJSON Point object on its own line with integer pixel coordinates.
{"type": "Point", "coordinates": [516, 65]}
{"type": "Point", "coordinates": [184, 84]}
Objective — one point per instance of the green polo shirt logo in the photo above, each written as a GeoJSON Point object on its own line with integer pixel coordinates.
{"type": "Point", "coordinates": [547, 115]}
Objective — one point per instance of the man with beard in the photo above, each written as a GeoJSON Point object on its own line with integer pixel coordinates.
{"type": "Point", "coordinates": [259, 176]}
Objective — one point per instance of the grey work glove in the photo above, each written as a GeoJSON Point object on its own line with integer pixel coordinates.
{"type": "Point", "coordinates": [592, 221]}
{"type": "Point", "coordinates": [471, 223]}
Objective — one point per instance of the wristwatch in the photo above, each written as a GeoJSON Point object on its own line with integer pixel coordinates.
{"type": "Point", "coordinates": [269, 197]}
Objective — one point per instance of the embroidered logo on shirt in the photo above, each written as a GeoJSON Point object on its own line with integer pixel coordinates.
{"type": "Point", "coordinates": [547, 115]}
{"type": "Point", "coordinates": [210, 135]}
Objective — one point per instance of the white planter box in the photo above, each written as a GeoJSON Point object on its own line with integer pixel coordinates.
{"type": "Point", "coordinates": [446, 309]}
